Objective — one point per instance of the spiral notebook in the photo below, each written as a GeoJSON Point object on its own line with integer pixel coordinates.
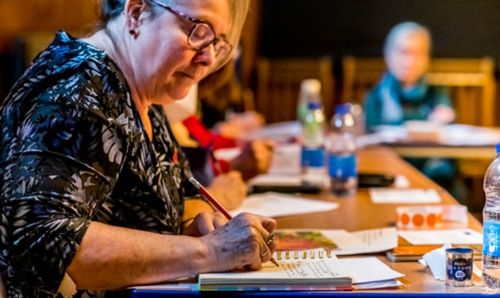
{"type": "Point", "coordinates": [309, 270]}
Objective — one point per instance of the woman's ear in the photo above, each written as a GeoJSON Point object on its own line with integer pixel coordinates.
{"type": "Point", "coordinates": [133, 10]}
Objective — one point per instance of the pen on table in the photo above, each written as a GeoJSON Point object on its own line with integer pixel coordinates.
{"type": "Point", "coordinates": [203, 191]}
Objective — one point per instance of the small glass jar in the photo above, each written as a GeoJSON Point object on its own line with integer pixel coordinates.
{"type": "Point", "coordinates": [459, 266]}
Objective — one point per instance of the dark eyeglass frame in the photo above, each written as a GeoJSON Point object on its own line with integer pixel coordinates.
{"type": "Point", "coordinates": [218, 42]}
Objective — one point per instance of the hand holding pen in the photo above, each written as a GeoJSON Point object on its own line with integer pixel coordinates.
{"type": "Point", "coordinates": [269, 239]}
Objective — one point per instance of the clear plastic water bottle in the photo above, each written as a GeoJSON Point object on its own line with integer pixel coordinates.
{"type": "Point", "coordinates": [359, 119]}
{"type": "Point", "coordinates": [310, 91]}
{"type": "Point", "coordinates": [313, 140]}
{"type": "Point", "coordinates": [341, 153]}
{"type": "Point", "coordinates": [491, 224]}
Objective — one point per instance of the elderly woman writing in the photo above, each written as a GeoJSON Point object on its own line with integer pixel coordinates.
{"type": "Point", "coordinates": [93, 186]}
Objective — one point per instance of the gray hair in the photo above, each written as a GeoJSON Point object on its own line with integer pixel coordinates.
{"type": "Point", "coordinates": [405, 28]}
{"type": "Point", "coordinates": [110, 9]}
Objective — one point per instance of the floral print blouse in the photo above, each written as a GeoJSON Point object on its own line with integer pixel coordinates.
{"type": "Point", "coordinates": [73, 150]}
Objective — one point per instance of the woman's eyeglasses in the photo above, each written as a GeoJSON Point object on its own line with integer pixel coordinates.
{"type": "Point", "coordinates": [202, 35]}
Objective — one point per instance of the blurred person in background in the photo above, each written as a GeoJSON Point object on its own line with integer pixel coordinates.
{"type": "Point", "coordinates": [225, 106]}
{"type": "Point", "coordinates": [221, 177]}
{"type": "Point", "coordinates": [403, 94]}
{"type": "Point", "coordinates": [253, 157]}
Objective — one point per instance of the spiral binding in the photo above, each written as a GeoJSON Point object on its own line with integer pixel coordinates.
{"type": "Point", "coordinates": [303, 255]}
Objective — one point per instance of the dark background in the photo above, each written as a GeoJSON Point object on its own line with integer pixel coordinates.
{"type": "Point", "coordinates": [460, 28]}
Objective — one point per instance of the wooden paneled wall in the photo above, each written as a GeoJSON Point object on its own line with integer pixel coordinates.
{"type": "Point", "coordinates": [18, 17]}
{"type": "Point", "coordinates": [250, 42]}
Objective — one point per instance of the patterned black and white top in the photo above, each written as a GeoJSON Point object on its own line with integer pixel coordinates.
{"type": "Point", "coordinates": [73, 150]}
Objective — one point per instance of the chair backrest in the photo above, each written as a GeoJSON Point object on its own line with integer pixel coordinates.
{"type": "Point", "coordinates": [359, 75]}
{"type": "Point", "coordinates": [470, 83]}
{"type": "Point", "coordinates": [278, 84]}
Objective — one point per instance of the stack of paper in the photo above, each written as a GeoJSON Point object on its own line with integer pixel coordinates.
{"type": "Point", "coordinates": [310, 270]}
{"type": "Point", "coordinates": [271, 205]}
{"type": "Point", "coordinates": [371, 273]}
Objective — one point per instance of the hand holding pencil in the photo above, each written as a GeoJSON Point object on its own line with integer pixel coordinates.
{"type": "Point", "coordinates": [246, 241]}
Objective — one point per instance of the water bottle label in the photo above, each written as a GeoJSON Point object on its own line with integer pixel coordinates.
{"type": "Point", "coordinates": [342, 166]}
{"type": "Point", "coordinates": [312, 157]}
{"type": "Point", "coordinates": [491, 239]}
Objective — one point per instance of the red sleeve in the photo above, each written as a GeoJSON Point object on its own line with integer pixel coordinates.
{"type": "Point", "coordinates": [210, 141]}
{"type": "Point", "coordinates": [204, 137]}
{"type": "Point", "coordinates": [220, 166]}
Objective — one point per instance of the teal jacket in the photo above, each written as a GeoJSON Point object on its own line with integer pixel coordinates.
{"type": "Point", "coordinates": [388, 104]}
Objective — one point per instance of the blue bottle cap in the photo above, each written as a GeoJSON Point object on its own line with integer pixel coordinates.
{"type": "Point", "coordinates": [343, 108]}
{"type": "Point", "coordinates": [498, 147]}
{"type": "Point", "coordinates": [313, 105]}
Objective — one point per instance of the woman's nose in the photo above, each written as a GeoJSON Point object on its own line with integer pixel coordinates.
{"type": "Point", "coordinates": [206, 56]}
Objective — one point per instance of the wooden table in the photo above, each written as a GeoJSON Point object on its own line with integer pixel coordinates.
{"type": "Point", "coordinates": [457, 152]}
{"type": "Point", "coordinates": [472, 162]}
{"type": "Point", "coordinates": [358, 213]}
{"type": "Point", "coordinates": [472, 146]}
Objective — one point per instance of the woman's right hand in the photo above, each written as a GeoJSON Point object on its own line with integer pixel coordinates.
{"type": "Point", "coordinates": [242, 243]}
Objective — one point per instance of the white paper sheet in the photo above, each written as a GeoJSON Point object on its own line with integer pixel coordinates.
{"type": "Point", "coordinates": [280, 131]}
{"type": "Point", "coordinates": [227, 153]}
{"type": "Point", "coordinates": [361, 242]}
{"type": "Point", "coordinates": [383, 284]}
{"type": "Point", "coordinates": [436, 237]}
{"type": "Point", "coordinates": [286, 160]}
{"type": "Point", "coordinates": [452, 135]}
{"type": "Point", "coordinates": [376, 240]}
{"type": "Point", "coordinates": [369, 269]}
{"type": "Point", "coordinates": [276, 180]}
{"type": "Point", "coordinates": [275, 204]}
{"type": "Point", "coordinates": [469, 135]}
{"type": "Point", "coordinates": [399, 196]}
{"type": "Point", "coordinates": [436, 260]}
{"type": "Point", "coordinates": [284, 169]}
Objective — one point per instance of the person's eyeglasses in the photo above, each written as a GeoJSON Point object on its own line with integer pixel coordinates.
{"type": "Point", "coordinates": [202, 35]}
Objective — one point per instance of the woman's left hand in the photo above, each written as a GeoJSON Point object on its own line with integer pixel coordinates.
{"type": "Point", "coordinates": [204, 223]}
{"type": "Point", "coordinates": [238, 124]}
{"type": "Point", "coordinates": [254, 159]}
{"type": "Point", "coordinates": [229, 189]}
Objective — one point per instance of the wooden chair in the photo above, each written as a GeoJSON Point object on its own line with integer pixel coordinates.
{"type": "Point", "coordinates": [359, 76]}
{"type": "Point", "coordinates": [470, 83]}
{"type": "Point", "coordinates": [278, 84]}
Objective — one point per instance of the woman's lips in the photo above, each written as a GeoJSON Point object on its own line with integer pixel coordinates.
{"type": "Point", "coordinates": [192, 76]}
